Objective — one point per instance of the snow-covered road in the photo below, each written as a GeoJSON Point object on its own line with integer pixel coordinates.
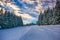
{"type": "Point", "coordinates": [47, 32]}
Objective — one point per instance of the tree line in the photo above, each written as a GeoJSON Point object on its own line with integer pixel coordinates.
{"type": "Point", "coordinates": [50, 16]}
{"type": "Point", "coordinates": [9, 20]}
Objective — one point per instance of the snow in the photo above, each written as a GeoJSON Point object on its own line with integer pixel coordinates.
{"type": "Point", "coordinates": [46, 32]}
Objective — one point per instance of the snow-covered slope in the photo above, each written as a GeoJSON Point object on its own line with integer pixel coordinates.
{"type": "Point", "coordinates": [14, 33]}
{"type": "Point", "coordinates": [46, 32]}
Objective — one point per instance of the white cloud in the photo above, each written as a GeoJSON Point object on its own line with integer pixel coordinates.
{"type": "Point", "coordinates": [37, 8]}
{"type": "Point", "coordinates": [28, 13]}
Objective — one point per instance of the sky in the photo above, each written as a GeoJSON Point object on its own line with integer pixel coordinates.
{"type": "Point", "coordinates": [28, 9]}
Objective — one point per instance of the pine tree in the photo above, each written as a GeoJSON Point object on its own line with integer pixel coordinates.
{"type": "Point", "coordinates": [57, 12]}
{"type": "Point", "coordinates": [46, 18]}
{"type": "Point", "coordinates": [49, 16]}
{"type": "Point", "coordinates": [40, 19]}
{"type": "Point", "coordinates": [9, 20]}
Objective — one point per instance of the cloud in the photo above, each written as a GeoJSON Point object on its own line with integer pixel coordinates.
{"type": "Point", "coordinates": [31, 8]}
{"type": "Point", "coordinates": [25, 16]}
{"type": "Point", "coordinates": [46, 3]}
{"type": "Point", "coordinates": [31, 5]}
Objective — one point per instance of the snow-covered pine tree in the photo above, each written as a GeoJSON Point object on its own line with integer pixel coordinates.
{"type": "Point", "coordinates": [57, 12]}
{"type": "Point", "coordinates": [49, 16]}
{"type": "Point", "coordinates": [40, 19]}
{"type": "Point", "coordinates": [9, 20]}
{"type": "Point", "coordinates": [46, 18]}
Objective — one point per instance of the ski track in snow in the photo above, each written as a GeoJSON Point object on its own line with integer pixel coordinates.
{"type": "Point", "coordinates": [46, 32]}
{"type": "Point", "coordinates": [13, 34]}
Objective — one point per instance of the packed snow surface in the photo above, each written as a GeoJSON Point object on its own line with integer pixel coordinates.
{"type": "Point", "coordinates": [46, 32]}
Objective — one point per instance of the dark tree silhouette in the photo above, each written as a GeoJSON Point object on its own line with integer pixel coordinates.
{"type": "Point", "coordinates": [8, 20]}
{"type": "Point", "coordinates": [57, 12]}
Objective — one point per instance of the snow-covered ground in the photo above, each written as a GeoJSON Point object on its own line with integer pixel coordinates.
{"type": "Point", "coordinates": [47, 32]}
